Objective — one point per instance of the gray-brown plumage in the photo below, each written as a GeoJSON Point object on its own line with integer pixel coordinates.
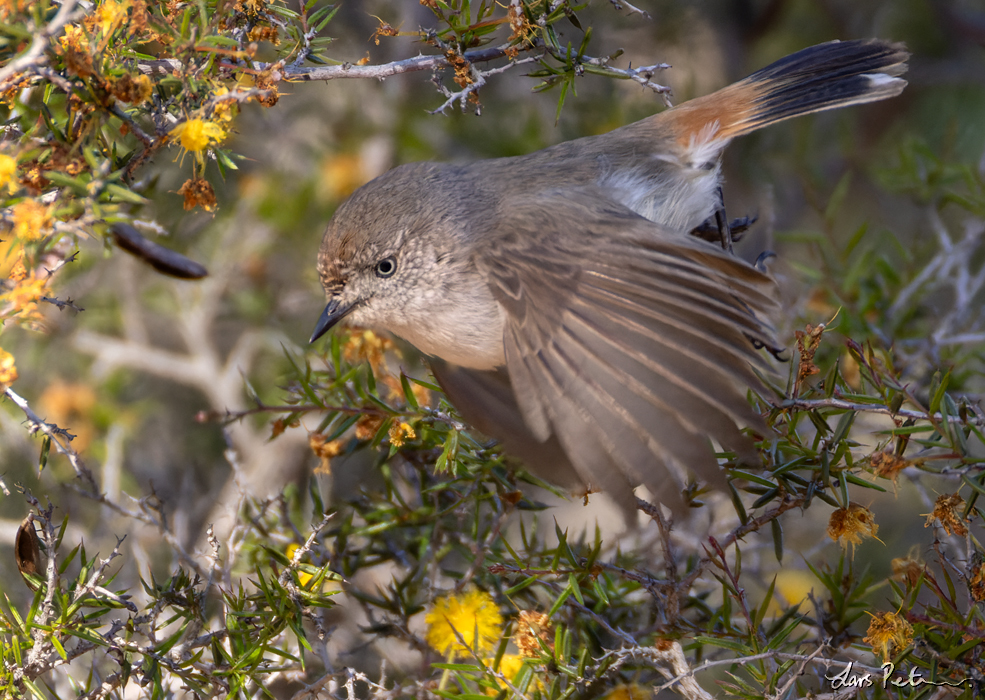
{"type": "Point", "coordinates": [565, 308]}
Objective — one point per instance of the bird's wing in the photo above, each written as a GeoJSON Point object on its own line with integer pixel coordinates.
{"type": "Point", "coordinates": [629, 343]}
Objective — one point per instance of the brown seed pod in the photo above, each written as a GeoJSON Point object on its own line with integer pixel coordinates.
{"type": "Point", "coordinates": [157, 256]}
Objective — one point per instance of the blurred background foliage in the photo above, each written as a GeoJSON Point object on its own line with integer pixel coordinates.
{"type": "Point", "coordinates": [183, 124]}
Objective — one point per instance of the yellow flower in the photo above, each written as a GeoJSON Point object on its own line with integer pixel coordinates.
{"type": "Point", "coordinates": [400, 433]}
{"type": "Point", "coordinates": [888, 631]}
{"type": "Point", "coordinates": [302, 576]}
{"type": "Point", "coordinates": [195, 135]}
{"type": "Point", "coordinates": [509, 666]}
{"type": "Point", "coordinates": [849, 525]}
{"type": "Point", "coordinates": [633, 691]}
{"type": "Point", "coordinates": [23, 299]}
{"type": "Point", "coordinates": [224, 110]}
{"type": "Point", "coordinates": [109, 14]}
{"type": "Point", "coordinates": [30, 219]}
{"type": "Point", "coordinates": [8, 371]}
{"type": "Point", "coordinates": [8, 168]}
{"type": "Point", "coordinates": [470, 617]}
{"type": "Point", "coordinates": [73, 39]}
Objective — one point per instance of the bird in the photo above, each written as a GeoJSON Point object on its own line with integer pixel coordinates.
{"type": "Point", "coordinates": [564, 300]}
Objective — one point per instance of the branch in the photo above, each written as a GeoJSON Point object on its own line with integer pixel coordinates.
{"type": "Point", "coordinates": [380, 72]}
{"type": "Point", "coordinates": [57, 435]}
{"type": "Point", "coordinates": [479, 80]}
{"type": "Point", "coordinates": [841, 404]}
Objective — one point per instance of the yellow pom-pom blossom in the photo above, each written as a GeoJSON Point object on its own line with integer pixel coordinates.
{"type": "Point", "coordinates": [470, 617]}
{"type": "Point", "coordinates": [195, 135]}
{"type": "Point", "coordinates": [8, 168]}
{"type": "Point", "coordinates": [8, 370]}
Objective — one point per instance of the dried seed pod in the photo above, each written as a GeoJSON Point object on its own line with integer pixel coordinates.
{"type": "Point", "coordinates": [157, 256]}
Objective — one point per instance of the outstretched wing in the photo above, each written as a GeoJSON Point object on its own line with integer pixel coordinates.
{"type": "Point", "coordinates": [629, 343]}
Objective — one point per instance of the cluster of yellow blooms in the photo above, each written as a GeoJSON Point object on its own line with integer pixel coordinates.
{"type": "Point", "coordinates": [469, 624]}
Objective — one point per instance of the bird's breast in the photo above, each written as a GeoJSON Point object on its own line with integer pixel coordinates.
{"type": "Point", "coordinates": [466, 329]}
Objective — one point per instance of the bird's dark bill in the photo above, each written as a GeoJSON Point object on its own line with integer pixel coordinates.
{"type": "Point", "coordinates": [334, 312]}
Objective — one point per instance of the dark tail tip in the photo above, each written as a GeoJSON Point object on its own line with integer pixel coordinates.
{"type": "Point", "coordinates": [828, 76]}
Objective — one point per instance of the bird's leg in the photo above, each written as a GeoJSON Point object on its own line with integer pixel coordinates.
{"type": "Point", "coordinates": [708, 229]}
{"type": "Point", "coordinates": [721, 220]}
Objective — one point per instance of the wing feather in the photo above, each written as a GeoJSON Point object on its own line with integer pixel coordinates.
{"type": "Point", "coordinates": [629, 344]}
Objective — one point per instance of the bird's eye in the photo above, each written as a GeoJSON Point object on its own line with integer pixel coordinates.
{"type": "Point", "coordinates": [386, 267]}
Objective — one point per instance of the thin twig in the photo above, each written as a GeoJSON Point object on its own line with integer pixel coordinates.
{"type": "Point", "coordinates": [57, 436]}
{"type": "Point", "coordinates": [840, 404]}
{"type": "Point", "coordinates": [385, 70]}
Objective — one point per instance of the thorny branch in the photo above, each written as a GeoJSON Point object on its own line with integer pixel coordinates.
{"type": "Point", "coordinates": [840, 404]}
{"type": "Point", "coordinates": [59, 438]}
{"type": "Point", "coordinates": [478, 81]}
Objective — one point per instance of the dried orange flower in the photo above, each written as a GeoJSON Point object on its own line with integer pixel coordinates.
{"type": "Point", "coordinates": [908, 568]}
{"type": "Point", "coordinates": [264, 81]}
{"type": "Point", "coordinates": [261, 33]}
{"type": "Point", "coordinates": [463, 69]}
{"type": "Point", "coordinates": [367, 346]}
{"type": "Point", "coordinates": [74, 38]}
{"type": "Point", "coordinates": [8, 370]}
{"type": "Point", "coordinates": [887, 632]}
{"type": "Point", "coordinates": [198, 192]}
{"type": "Point", "coordinates": [808, 341]}
{"type": "Point", "coordinates": [849, 525]}
{"type": "Point", "coordinates": [252, 8]}
{"type": "Point", "coordinates": [887, 464]}
{"type": "Point", "coordinates": [132, 89]}
{"type": "Point", "coordinates": [531, 629]}
{"type": "Point", "coordinates": [976, 582]}
{"type": "Point", "coordinates": [385, 29]}
{"type": "Point", "coordinates": [945, 508]}
{"type": "Point", "coordinates": [367, 425]}
{"type": "Point", "coordinates": [324, 450]}
{"type": "Point", "coordinates": [521, 30]}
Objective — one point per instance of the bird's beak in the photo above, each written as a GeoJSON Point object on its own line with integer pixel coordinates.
{"type": "Point", "coordinates": [334, 312]}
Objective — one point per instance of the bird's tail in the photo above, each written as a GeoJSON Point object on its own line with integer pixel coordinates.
{"type": "Point", "coordinates": [827, 76]}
